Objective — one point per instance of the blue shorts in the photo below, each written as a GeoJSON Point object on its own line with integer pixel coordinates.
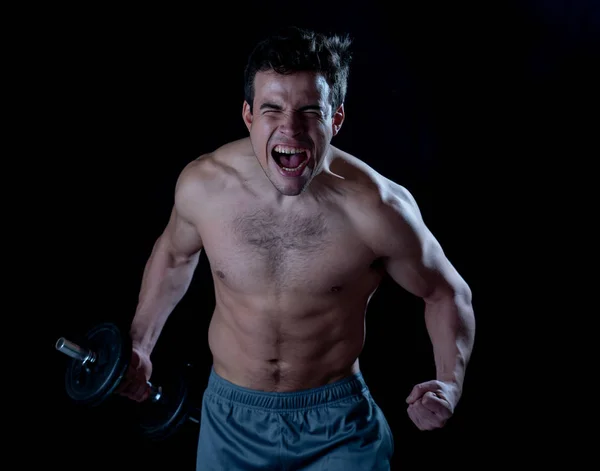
{"type": "Point", "coordinates": [334, 427]}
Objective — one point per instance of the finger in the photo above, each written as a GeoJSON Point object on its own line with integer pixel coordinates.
{"type": "Point", "coordinates": [140, 392]}
{"type": "Point", "coordinates": [420, 419]}
{"type": "Point", "coordinates": [428, 419]}
{"type": "Point", "coordinates": [132, 368]}
{"type": "Point", "coordinates": [414, 417]}
{"type": "Point", "coordinates": [127, 383]}
{"type": "Point", "coordinates": [420, 389]}
{"type": "Point", "coordinates": [437, 405]}
{"type": "Point", "coordinates": [145, 394]}
{"type": "Point", "coordinates": [140, 388]}
{"type": "Point", "coordinates": [137, 395]}
{"type": "Point", "coordinates": [131, 383]}
{"type": "Point", "coordinates": [124, 385]}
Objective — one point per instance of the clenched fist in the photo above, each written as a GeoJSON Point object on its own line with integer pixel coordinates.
{"type": "Point", "coordinates": [431, 404]}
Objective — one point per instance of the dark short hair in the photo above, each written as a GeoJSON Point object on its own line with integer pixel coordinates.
{"type": "Point", "coordinates": [295, 49]}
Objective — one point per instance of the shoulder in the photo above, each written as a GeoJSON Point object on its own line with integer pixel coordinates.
{"type": "Point", "coordinates": [210, 173]}
{"type": "Point", "coordinates": [385, 213]}
{"type": "Point", "coordinates": [214, 169]}
{"type": "Point", "coordinates": [368, 188]}
{"type": "Point", "coordinates": [217, 164]}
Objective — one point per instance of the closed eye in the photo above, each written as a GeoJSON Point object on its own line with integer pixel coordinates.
{"type": "Point", "coordinates": [270, 107]}
{"type": "Point", "coordinates": [315, 109]}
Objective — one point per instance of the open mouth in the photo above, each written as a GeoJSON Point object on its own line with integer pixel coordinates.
{"type": "Point", "coordinates": [291, 160]}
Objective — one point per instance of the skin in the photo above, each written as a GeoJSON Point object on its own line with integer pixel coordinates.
{"type": "Point", "coordinates": [295, 260]}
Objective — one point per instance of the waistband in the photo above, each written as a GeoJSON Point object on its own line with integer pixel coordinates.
{"type": "Point", "coordinates": [346, 388]}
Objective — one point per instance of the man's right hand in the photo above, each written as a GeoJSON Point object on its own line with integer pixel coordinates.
{"type": "Point", "coordinates": [134, 384]}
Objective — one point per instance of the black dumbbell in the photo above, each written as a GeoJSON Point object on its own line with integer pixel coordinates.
{"type": "Point", "coordinates": [96, 369]}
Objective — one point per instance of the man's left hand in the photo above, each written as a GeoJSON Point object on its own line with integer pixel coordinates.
{"type": "Point", "coordinates": [431, 404]}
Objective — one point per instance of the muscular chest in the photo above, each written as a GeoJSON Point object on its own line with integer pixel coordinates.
{"type": "Point", "coordinates": [304, 251]}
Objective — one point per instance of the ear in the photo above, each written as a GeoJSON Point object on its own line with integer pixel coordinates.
{"type": "Point", "coordinates": [338, 119]}
{"type": "Point", "coordinates": [247, 115]}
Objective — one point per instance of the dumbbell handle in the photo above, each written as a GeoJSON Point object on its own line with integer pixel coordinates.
{"type": "Point", "coordinates": [85, 355]}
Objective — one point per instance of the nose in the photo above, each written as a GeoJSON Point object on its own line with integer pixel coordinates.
{"type": "Point", "coordinates": [292, 124]}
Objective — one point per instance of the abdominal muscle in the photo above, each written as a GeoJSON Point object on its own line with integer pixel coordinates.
{"type": "Point", "coordinates": [291, 348]}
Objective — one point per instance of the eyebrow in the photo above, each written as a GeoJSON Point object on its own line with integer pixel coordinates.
{"type": "Point", "coordinates": [273, 106]}
{"type": "Point", "coordinates": [310, 107]}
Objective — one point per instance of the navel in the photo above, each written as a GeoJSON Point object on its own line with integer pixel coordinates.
{"type": "Point", "coordinates": [220, 274]}
{"type": "Point", "coordinates": [336, 289]}
{"type": "Point", "coordinates": [275, 369]}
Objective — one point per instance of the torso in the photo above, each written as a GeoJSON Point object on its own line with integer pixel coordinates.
{"type": "Point", "coordinates": [292, 285]}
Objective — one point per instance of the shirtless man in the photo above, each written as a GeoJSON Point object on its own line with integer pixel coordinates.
{"type": "Point", "coordinates": [298, 234]}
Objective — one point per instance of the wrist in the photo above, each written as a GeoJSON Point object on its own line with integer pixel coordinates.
{"type": "Point", "coordinates": [140, 344]}
{"type": "Point", "coordinates": [451, 377]}
{"type": "Point", "coordinates": [453, 389]}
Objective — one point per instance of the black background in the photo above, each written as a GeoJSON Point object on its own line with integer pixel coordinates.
{"type": "Point", "coordinates": [480, 109]}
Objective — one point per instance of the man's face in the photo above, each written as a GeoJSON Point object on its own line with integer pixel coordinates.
{"type": "Point", "coordinates": [291, 126]}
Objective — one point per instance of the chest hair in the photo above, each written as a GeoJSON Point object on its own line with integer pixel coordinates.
{"type": "Point", "coordinates": [284, 243]}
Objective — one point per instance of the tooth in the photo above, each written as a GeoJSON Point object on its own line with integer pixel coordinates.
{"type": "Point", "coordinates": [288, 150]}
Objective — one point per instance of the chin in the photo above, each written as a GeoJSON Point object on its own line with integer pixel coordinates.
{"type": "Point", "coordinates": [289, 189]}
{"type": "Point", "coordinates": [286, 184]}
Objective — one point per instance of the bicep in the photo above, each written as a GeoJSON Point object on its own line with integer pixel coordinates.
{"type": "Point", "coordinates": [412, 255]}
{"type": "Point", "coordinates": [182, 236]}
{"type": "Point", "coordinates": [420, 266]}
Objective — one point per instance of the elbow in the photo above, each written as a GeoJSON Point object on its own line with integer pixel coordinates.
{"type": "Point", "coordinates": [455, 295]}
{"type": "Point", "coordinates": [461, 297]}
{"type": "Point", "coordinates": [453, 290]}
{"type": "Point", "coordinates": [463, 302]}
{"type": "Point", "coordinates": [463, 294]}
{"type": "Point", "coordinates": [459, 290]}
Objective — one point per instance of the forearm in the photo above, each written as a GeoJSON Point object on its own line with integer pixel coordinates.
{"type": "Point", "coordinates": [165, 281]}
{"type": "Point", "coordinates": [450, 323]}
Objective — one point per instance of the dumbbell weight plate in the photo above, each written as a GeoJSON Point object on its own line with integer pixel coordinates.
{"type": "Point", "coordinates": [159, 420]}
{"type": "Point", "coordinates": [91, 383]}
